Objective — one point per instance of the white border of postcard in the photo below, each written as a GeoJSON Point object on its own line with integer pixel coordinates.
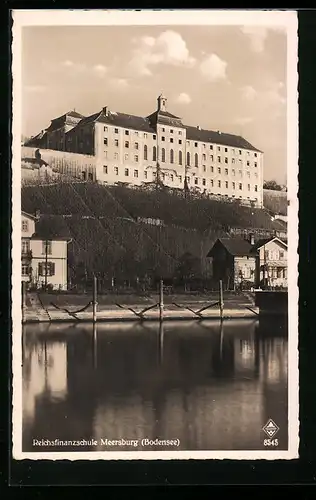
{"type": "Point", "coordinates": [284, 19]}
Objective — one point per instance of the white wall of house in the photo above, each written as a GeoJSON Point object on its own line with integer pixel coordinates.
{"type": "Point", "coordinates": [245, 269]}
{"type": "Point", "coordinates": [274, 255]}
{"type": "Point", "coordinates": [57, 255]}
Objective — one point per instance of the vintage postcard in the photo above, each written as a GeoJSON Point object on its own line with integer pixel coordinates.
{"type": "Point", "coordinates": [155, 235]}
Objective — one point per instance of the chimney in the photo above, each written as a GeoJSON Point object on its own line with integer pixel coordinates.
{"type": "Point", "coordinates": [105, 110]}
{"type": "Point", "coordinates": [198, 127]}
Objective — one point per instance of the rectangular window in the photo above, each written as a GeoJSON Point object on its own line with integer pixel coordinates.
{"type": "Point", "coordinates": [25, 270]}
{"type": "Point", "coordinates": [154, 137]}
{"type": "Point", "coordinates": [212, 169]}
{"type": "Point", "coordinates": [233, 185]}
{"type": "Point", "coordinates": [226, 171]}
{"type": "Point", "coordinates": [115, 156]}
{"type": "Point", "coordinates": [212, 182]}
{"type": "Point", "coordinates": [226, 184]}
{"type": "Point", "coordinates": [240, 152]}
{"type": "Point", "coordinates": [204, 182]}
{"type": "Point", "coordinates": [196, 144]}
{"type": "Point", "coordinates": [204, 157]}
{"type": "Point", "coordinates": [188, 180]}
{"type": "Point", "coordinates": [171, 177]}
{"type": "Point", "coordinates": [196, 180]}
{"type": "Point", "coordinates": [219, 184]}
{"type": "Point", "coordinates": [171, 131]}
{"type": "Point", "coordinates": [248, 173]}
{"type": "Point", "coordinates": [233, 171]}
{"type": "Point", "coordinates": [204, 168]}
{"type": "Point", "coordinates": [218, 148]}
{"type": "Point", "coordinates": [256, 175]}
{"type": "Point", "coordinates": [126, 132]}
{"type": "Point", "coordinates": [126, 172]}
{"type": "Point", "coordinates": [226, 150]}
{"type": "Point", "coordinates": [145, 174]}
{"type": "Point", "coordinates": [116, 143]}
{"type": "Point", "coordinates": [105, 129]}
{"type": "Point", "coordinates": [136, 158]}
{"type": "Point", "coordinates": [136, 145]}
{"type": "Point", "coordinates": [255, 164]}
{"type": "Point", "coordinates": [248, 163]}
{"type": "Point", "coordinates": [281, 254]}
{"type": "Point", "coordinates": [46, 270]}
{"type": "Point", "coordinates": [163, 129]}
{"type": "Point", "coordinates": [226, 159]}
{"type": "Point", "coordinates": [211, 146]}
{"type": "Point", "coordinates": [240, 172]}
{"type": "Point", "coordinates": [47, 247]}
{"type": "Point", "coordinates": [116, 170]}
{"type": "Point", "coordinates": [126, 144]}
{"type": "Point", "coordinates": [219, 159]}
{"type": "Point", "coordinates": [256, 155]}
{"type": "Point", "coordinates": [240, 186]}
{"type": "Point", "coordinates": [105, 154]}
{"type": "Point", "coordinates": [163, 139]}
{"type": "Point", "coordinates": [180, 178]}
{"type": "Point", "coordinates": [25, 246]}
{"type": "Point", "coordinates": [105, 169]}
{"type": "Point", "coordinates": [126, 156]}
{"type": "Point", "coordinates": [137, 134]}
{"type": "Point", "coordinates": [212, 157]}
{"type": "Point", "coordinates": [25, 225]}
{"type": "Point", "coordinates": [180, 132]}
{"type": "Point", "coordinates": [248, 187]}
{"type": "Point", "coordinates": [116, 130]}
{"type": "Point", "coordinates": [219, 170]}
{"type": "Point", "coordinates": [171, 139]}
{"type": "Point", "coordinates": [256, 188]}
{"type": "Point", "coordinates": [135, 173]}
{"type": "Point", "coordinates": [145, 136]}
{"type": "Point", "coordinates": [180, 141]}
{"type": "Point", "coordinates": [105, 141]}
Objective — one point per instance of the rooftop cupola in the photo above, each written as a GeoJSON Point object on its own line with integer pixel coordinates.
{"type": "Point", "coordinates": [162, 100]}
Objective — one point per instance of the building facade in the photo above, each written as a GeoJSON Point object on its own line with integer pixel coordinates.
{"type": "Point", "coordinates": [139, 150]}
{"type": "Point", "coordinates": [273, 262]}
{"type": "Point", "coordinates": [44, 258]}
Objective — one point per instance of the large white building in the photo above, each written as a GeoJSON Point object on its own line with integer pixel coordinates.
{"type": "Point", "coordinates": [134, 150]}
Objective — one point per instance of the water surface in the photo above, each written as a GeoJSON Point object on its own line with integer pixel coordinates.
{"type": "Point", "coordinates": [210, 386]}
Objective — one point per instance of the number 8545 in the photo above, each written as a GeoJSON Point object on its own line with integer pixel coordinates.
{"type": "Point", "coordinates": [271, 442]}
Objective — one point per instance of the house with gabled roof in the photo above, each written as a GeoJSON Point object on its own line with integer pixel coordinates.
{"type": "Point", "coordinates": [44, 248]}
{"type": "Point", "coordinates": [160, 147]}
{"type": "Point", "coordinates": [239, 262]}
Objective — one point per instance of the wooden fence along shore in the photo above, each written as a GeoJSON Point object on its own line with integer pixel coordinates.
{"type": "Point", "coordinates": [34, 311]}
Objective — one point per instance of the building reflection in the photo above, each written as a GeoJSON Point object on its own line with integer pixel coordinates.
{"type": "Point", "coordinates": [211, 385]}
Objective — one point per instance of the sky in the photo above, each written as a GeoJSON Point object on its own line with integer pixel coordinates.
{"type": "Point", "coordinates": [227, 78]}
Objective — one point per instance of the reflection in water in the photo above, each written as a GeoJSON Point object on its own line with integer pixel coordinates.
{"type": "Point", "coordinates": [211, 385]}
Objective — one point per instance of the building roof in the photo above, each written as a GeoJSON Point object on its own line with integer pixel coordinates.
{"type": "Point", "coordinates": [234, 246]}
{"type": "Point", "coordinates": [51, 227]}
{"type": "Point", "coordinates": [123, 120]}
{"type": "Point", "coordinates": [29, 216]}
{"type": "Point", "coordinates": [61, 120]}
{"type": "Point", "coordinates": [197, 134]}
{"type": "Point", "coordinates": [262, 242]}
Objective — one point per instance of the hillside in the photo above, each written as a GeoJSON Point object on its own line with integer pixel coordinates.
{"type": "Point", "coordinates": [275, 201]}
{"type": "Point", "coordinates": [110, 236]}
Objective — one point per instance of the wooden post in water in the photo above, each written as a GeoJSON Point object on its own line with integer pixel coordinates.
{"type": "Point", "coordinates": [95, 303]}
{"type": "Point", "coordinates": [221, 300]}
{"type": "Point", "coordinates": [161, 300]}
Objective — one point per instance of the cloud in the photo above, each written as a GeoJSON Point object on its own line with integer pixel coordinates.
{"type": "Point", "coordinates": [243, 120]}
{"type": "Point", "coordinates": [100, 70]}
{"type": "Point", "coordinates": [119, 83]}
{"type": "Point", "coordinates": [167, 48]}
{"type": "Point", "coordinates": [213, 68]}
{"type": "Point", "coordinates": [35, 89]}
{"type": "Point", "coordinates": [248, 93]}
{"type": "Point", "coordinates": [74, 67]}
{"type": "Point", "coordinates": [183, 98]}
{"type": "Point", "coordinates": [258, 35]}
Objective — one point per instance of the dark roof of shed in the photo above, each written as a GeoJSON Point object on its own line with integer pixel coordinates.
{"type": "Point", "coordinates": [235, 246]}
{"type": "Point", "coordinates": [197, 134]}
{"type": "Point", "coordinates": [51, 227]}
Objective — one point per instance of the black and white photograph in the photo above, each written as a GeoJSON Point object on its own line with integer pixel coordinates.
{"type": "Point", "coordinates": [155, 233]}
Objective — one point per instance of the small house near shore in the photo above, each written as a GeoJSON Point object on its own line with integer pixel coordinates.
{"type": "Point", "coordinates": [242, 263]}
{"type": "Point", "coordinates": [43, 252]}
